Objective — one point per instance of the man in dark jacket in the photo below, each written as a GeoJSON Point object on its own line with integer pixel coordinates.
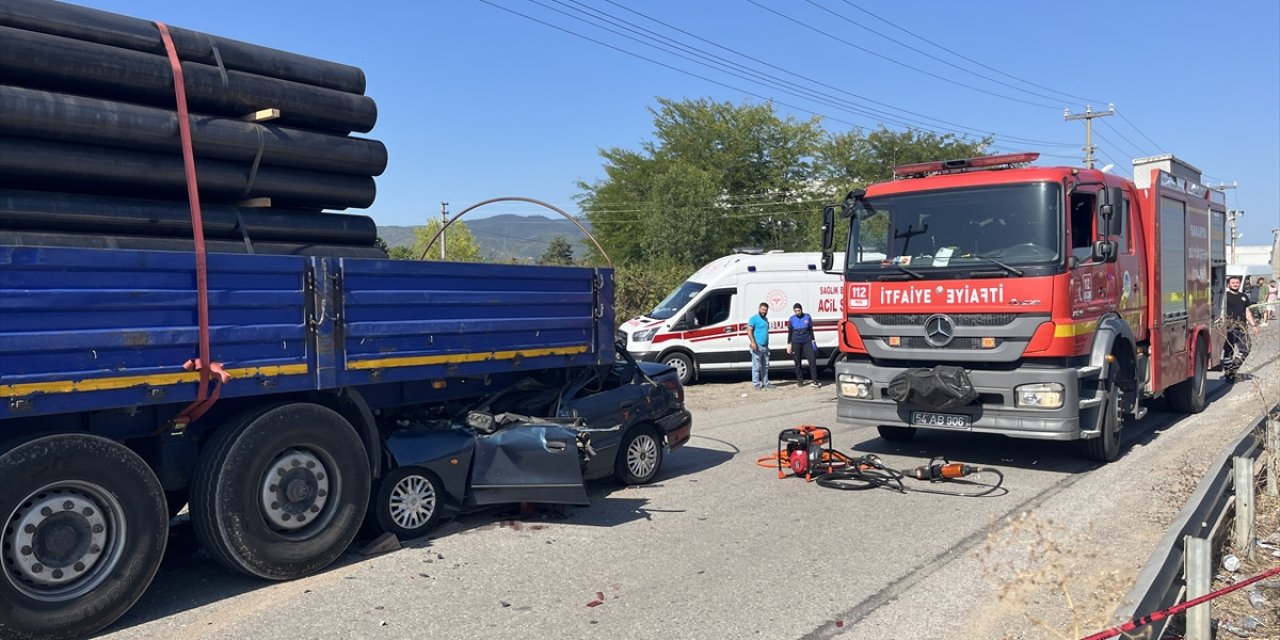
{"type": "Point", "coordinates": [800, 344]}
{"type": "Point", "coordinates": [1235, 311]}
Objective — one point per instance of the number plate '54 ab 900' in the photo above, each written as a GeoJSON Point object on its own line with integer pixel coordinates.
{"type": "Point", "coordinates": [940, 420]}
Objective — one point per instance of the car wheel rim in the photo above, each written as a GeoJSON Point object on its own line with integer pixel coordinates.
{"type": "Point", "coordinates": [63, 541]}
{"type": "Point", "coordinates": [412, 502]}
{"type": "Point", "coordinates": [295, 490]}
{"type": "Point", "coordinates": [642, 456]}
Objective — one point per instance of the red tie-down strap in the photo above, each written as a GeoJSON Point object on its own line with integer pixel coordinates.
{"type": "Point", "coordinates": [204, 363]}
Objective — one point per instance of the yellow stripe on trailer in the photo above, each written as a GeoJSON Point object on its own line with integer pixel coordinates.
{"type": "Point", "coordinates": [153, 380]}
{"type": "Point", "coordinates": [459, 358]}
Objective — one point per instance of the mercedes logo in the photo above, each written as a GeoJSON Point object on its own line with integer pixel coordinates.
{"type": "Point", "coordinates": [939, 330]}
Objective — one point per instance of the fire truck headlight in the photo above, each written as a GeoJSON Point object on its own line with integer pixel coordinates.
{"type": "Point", "coordinates": [852, 386]}
{"type": "Point", "coordinates": [645, 335]}
{"type": "Point", "coordinates": [1043, 395]}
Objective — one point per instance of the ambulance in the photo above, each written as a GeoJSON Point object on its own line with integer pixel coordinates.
{"type": "Point", "coordinates": [702, 325]}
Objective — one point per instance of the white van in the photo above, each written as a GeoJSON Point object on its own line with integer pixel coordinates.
{"type": "Point", "coordinates": [702, 325]}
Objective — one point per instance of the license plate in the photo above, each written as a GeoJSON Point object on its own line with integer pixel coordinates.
{"type": "Point", "coordinates": [940, 420]}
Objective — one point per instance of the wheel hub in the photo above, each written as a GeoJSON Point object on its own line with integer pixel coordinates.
{"type": "Point", "coordinates": [56, 538]}
{"type": "Point", "coordinates": [412, 502]}
{"type": "Point", "coordinates": [295, 489]}
{"type": "Point", "coordinates": [642, 455]}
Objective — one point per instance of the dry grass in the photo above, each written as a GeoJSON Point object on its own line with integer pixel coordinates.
{"type": "Point", "coordinates": [1059, 586]}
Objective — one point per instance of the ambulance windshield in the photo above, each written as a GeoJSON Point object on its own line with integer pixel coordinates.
{"type": "Point", "coordinates": [966, 229]}
{"type": "Point", "coordinates": [676, 301]}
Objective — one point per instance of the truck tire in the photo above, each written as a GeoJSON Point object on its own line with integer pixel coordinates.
{"type": "Point", "coordinates": [1190, 395]}
{"type": "Point", "coordinates": [1106, 447]}
{"type": "Point", "coordinates": [280, 492]}
{"type": "Point", "coordinates": [639, 456]}
{"type": "Point", "coordinates": [682, 363]}
{"type": "Point", "coordinates": [83, 531]}
{"type": "Point", "coordinates": [896, 434]}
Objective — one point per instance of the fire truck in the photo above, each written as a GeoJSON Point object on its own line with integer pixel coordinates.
{"type": "Point", "coordinates": [985, 295]}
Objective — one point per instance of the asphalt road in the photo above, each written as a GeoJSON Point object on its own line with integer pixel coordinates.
{"type": "Point", "coordinates": [720, 547]}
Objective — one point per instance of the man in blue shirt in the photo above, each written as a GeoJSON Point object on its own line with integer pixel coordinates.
{"type": "Point", "coordinates": [758, 334]}
{"type": "Point", "coordinates": [800, 344]}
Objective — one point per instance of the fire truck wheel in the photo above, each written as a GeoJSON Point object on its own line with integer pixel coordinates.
{"type": "Point", "coordinates": [896, 434]}
{"type": "Point", "coordinates": [1106, 447]}
{"type": "Point", "coordinates": [280, 491]}
{"type": "Point", "coordinates": [683, 365]}
{"type": "Point", "coordinates": [1189, 396]}
{"type": "Point", "coordinates": [82, 532]}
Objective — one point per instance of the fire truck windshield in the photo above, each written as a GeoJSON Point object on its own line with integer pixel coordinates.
{"type": "Point", "coordinates": [969, 229]}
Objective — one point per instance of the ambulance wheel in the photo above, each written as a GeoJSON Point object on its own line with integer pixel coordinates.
{"type": "Point", "coordinates": [896, 434]}
{"type": "Point", "coordinates": [1189, 396]}
{"type": "Point", "coordinates": [682, 363]}
{"type": "Point", "coordinates": [1106, 447]}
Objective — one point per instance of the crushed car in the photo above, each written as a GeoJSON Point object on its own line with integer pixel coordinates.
{"type": "Point", "coordinates": [536, 441]}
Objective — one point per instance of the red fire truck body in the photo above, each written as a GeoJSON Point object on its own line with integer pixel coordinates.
{"type": "Point", "coordinates": [1068, 298]}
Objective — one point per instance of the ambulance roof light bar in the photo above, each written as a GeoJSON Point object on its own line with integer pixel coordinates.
{"type": "Point", "coordinates": [967, 164]}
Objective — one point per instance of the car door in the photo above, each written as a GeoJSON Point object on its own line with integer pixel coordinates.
{"type": "Point", "coordinates": [717, 337]}
{"type": "Point", "coordinates": [608, 400]}
{"type": "Point", "coordinates": [532, 461]}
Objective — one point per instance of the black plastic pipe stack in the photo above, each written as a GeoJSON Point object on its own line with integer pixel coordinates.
{"type": "Point", "coordinates": [91, 154]}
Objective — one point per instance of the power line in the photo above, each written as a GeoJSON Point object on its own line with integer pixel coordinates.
{"type": "Point", "coordinates": [830, 86]}
{"type": "Point", "coordinates": [925, 53]}
{"type": "Point", "coordinates": [964, 57]}
{"type": "Point", "coordinates": [1135, 148]}
{"type": "Point", "coordinates": [722, 65]}
{"type": "Point", "coordinates": [1135, 128]}
{"type": "Point", "coordinates": [846, 42]}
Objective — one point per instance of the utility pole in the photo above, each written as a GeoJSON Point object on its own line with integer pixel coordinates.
{"type": "Point", "coordinates": [1232, 214]}
{"type": "Point", "coordinates": [444, 219]}
{"type": "Point", "coordinates": [1088, 116]}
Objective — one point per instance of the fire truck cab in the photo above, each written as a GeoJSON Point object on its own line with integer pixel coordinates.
{"type": "Point", "coordinates": [985, 295]}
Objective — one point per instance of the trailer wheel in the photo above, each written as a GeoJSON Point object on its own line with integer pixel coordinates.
{"type": "Point", "coordinates": [409, 502]}
{"type": "Point", "coordinates": [1190, 396]}
{"type": "Point", "coordinates": [1106, 447]}
{"type": "Point", "coordinates": [280, 492]}
{"type": "Point", "coordinates": [896, 434]}
{"type": "Point", "coordinates": [639, 456]}
{"type": "Point", "coordinates": [683, 365]}
{"type": "Point", "coordinates": [82, 532]}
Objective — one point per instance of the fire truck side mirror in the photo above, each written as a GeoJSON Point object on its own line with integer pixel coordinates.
{"type": "Point", "coordinates": [828, 236]}
{"type": "Point", "coordinates": [1103, 251]}
{"type": "Point", "coordinates": [1110, 205]}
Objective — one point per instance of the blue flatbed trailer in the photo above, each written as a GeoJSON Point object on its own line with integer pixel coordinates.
{"type": "Point", "coordinates": [93, 457]}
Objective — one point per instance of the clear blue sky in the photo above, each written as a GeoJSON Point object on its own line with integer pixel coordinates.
{"type": "Point", "coordinates": [477, 102]}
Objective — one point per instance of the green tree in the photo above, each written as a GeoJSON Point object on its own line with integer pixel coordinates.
{"type": "Point", "coordinates": [400, 252]}
{"type": "Point", "coordinates": [715, 176]}
{"type": "Point", "coordinates": [559, 252]}
{"type": "Point", "coordinates": [459, 244]}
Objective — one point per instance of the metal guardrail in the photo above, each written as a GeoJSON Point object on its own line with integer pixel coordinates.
{"type": "Point", "coordinates": [1161, 582]}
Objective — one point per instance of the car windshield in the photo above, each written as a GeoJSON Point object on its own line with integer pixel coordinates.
{"type": "Point", "coordinates": [976, 227]}
{"type": "Point", "coordinates": [676, 301]}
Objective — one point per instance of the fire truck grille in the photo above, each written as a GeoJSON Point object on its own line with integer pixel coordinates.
{"type": "Point", "coordinates": [961, 319]}
{"type": "Point", "coordinates": [917, 342]}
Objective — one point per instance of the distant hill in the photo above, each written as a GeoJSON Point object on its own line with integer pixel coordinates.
{"type": "Point", "coordinates": [505, 237]}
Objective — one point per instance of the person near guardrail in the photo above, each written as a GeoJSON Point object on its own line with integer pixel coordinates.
{"type": "Point", "coordinates": [1235, 311]}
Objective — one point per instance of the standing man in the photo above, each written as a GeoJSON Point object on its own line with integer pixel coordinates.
{"type": "Point", "coordinates": [1235, 310]}
{"type": "Point", "coordinates": [758, 334]}
{"type": "Point", "coordinates": [800, 343]}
